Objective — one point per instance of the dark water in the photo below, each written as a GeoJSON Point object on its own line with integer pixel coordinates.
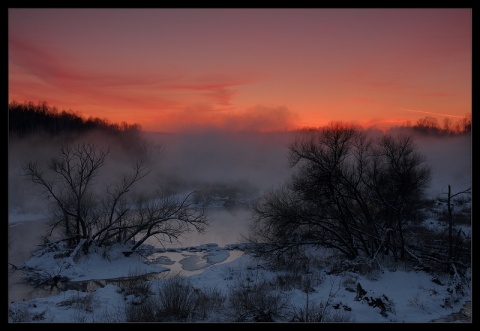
{"type": "Point", "coordinates": [227, 227]}
{"type": "Point", "coordinates": [23, 241]}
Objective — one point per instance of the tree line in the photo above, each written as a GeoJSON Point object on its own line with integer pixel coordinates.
{"type": "Point", "coordinates": [29, 118]}
{"type": "Point", "coordinates": [430, 125]}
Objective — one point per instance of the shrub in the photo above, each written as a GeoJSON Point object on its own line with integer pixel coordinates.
{"type": "Point", "coordinates": [255, 301]}
{"type": "Point", "coordinates": [176, 300]}
{"type": "Point", "coordinates": [80, 301]}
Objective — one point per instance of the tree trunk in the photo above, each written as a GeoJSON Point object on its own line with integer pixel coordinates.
{"type": "Point", "coordinates": [450, 226]}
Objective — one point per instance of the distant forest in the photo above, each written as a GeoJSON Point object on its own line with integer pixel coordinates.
{"type": "Point", "coordinates": [28, 118]}
{"type": "Point", "coordinates": [430, 125]}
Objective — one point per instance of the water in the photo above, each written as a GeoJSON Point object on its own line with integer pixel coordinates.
{"type": "Point", "coordinates": [23, 241]}
{"type": "Point", "coordinates": [227, 227]}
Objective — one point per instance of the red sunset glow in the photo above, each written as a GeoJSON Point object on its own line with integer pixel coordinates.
{"type": "Point", "coordinates": [244, 69]}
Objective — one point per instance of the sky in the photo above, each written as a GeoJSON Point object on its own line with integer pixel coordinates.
{"type": "Point", "coordinates": [244, 69]}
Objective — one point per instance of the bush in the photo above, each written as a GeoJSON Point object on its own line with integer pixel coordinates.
{"type": "Point", "coordinates": [81, 301]}
{"type": "Point", "coordinates": [143, 312]}
{"type": "Point", "coordinates": [176, 300]}
{"type": "Point", "coordinates": [135, 284]}
{"type": "Point", "coordinates": [19, 313]}
{"type": "Point", "coordinates": [252, 301]}
{"type": "Point", "coordinates": [207, 301]}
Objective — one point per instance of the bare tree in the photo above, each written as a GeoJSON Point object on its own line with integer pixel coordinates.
{"type": "Point", "coordinates": [399, 178]}
{"type": "Point", "coordinates": [86, 215]}
{"type": "Point", "coordinates": [453, 201]}
{"type": "Point", "coordinates": [428, 124]}
{"type": "Point", "coordinates": [448, 124]}
{"type": "Point", "coordinates": [349, 192]}
{"type": "Point", "coordinates": [69, 183]}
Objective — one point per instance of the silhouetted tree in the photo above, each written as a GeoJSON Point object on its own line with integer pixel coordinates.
{"type": "Point", "coordinates": [350, 192]}
{"type": "Point", "coordinates": [399, 178]}
{"type": "Point", "coordinates": [27, 118]}
{"type": "Point", "coordinates": [428, 124]}
{"type": "Point", "coordinates": [448, 124]}
{"type": "Point", "coordinates": [465, 124]}
{"type": "Point", "coordinates": [456, 204]}
{"type": "Point", "coordinates": [87, 216]}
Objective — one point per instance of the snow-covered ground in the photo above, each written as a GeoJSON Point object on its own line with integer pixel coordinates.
{"type": "Point", "coordinates": [413, 296]}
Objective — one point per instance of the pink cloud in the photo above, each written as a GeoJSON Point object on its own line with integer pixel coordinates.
{"type": "Point", "coordinates": [258, 118]}
{"type": "Point", "coordinates": [362, 100]}
{"type": "Point", "coordinates": [433, 94]}
{"type": "Point", "coordinates": [58, 79]}
{"type": "Point", "coordinates": [429, 112]}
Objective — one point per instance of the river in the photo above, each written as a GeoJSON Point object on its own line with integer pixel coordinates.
{"type": "Point", "coordinates": [227, 227]}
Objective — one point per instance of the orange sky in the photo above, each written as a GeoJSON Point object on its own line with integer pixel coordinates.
{"type": "Point", "coordinates": [244, 69]}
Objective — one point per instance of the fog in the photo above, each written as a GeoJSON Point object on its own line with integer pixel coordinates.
{"type": "Point", "coordinates": [450, 159]}
{"type": "Point", "coordinates": [240, 166]}
{"type": "Point", "coordinates": [240, 162]}
{"type": "Point", "coordinates": [228, 169]}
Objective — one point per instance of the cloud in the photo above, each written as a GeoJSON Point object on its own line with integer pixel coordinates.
{"type": "Point", "coordinates": [362, 100]}
{"type": "Point", "coordinates": [262, 118]}
{"type": "Point", "coordinates": [141, 97]}
{"type": "Point", "coordinates": [429, 112]}
{"type": "Point", "coordinates": [204, 117]}
{"type": "Point", "coordinates": [434, 94]}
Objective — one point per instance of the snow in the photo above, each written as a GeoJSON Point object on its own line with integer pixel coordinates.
{"type": "Point", "coordinates": [219, 260]}
{"type": "Point", "coordinates": [415, 296]}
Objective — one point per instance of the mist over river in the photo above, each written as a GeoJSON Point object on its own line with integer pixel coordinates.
{"type": "Point", "coordinates": [230, 169]}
